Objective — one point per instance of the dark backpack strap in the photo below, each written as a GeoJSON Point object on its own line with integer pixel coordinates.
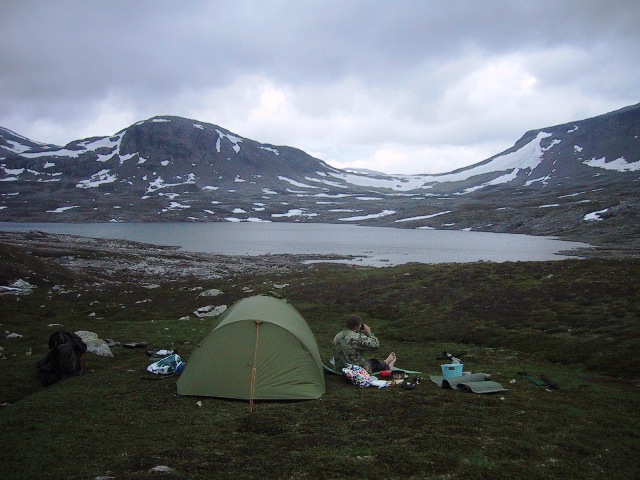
{"type": "Point", "coordinates": [68, 363]}
{"type": "Point", "coordinates": [57, 338]}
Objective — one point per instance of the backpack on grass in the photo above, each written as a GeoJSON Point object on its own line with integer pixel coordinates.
{"type": "Point", "coordinates": [64, 359]}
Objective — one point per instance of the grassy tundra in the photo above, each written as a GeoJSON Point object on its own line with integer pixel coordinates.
{"type": "Point", "coordinates": [577, 321]}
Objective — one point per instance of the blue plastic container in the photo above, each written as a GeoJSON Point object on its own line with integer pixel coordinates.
{"type": "Point", "coordinates": [452, 370]}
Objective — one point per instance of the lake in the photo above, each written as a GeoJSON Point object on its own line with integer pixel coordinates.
{"type": "Point", "coordinates": [373, 246]}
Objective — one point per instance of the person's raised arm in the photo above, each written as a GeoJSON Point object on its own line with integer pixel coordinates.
{"type": "Point", "coordinates": [368, 340]}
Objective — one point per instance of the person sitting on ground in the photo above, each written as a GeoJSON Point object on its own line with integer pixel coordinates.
{"type": "Point", "coordinates": [350, 344]}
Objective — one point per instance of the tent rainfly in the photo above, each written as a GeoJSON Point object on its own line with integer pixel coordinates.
{"type": "Point", "coordinates": [261, 349]}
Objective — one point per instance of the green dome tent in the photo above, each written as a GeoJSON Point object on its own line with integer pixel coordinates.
{"type": "Point", "coordinates": [260, 349]}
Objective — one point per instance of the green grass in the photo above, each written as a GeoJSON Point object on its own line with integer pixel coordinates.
{"type": "Point", "coordinates": [576, 321]}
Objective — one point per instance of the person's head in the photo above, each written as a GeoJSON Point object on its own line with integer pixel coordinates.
{"type": "Point", "coordinates": [354, 322]}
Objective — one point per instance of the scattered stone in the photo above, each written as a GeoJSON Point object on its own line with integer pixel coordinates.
{"type": "Point", "coordinates": [19, 287]}
{"type": "Point", "coordinates": [94, 344]}
{"type": "Point", "coordinates": [149, 265]}
{"type": "Point", "coordinates": [161, 469]}
{"type": "Point", "coordinates": [210, 311]}
{"type": "Point", "coordinates": [214, 292]}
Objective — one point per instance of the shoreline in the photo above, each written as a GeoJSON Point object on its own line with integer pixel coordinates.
{"type": "Point", "coordinates": [107, 259]}
{"type": "Point", "coordinates": [131, 261]}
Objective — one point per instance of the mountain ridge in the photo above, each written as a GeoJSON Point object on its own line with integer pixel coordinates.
{"type": "Point", "coordinates": [576, 180]}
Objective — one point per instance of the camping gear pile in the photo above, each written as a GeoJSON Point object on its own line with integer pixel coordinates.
{"type": "Point", "coordinates": [454, 378]}
{"type": "Point", "coordinates": [168, 365]}
{"type": "Point", "coordinates": [471, 383]}
{"type": "Point", "coordinates": [357, 375]}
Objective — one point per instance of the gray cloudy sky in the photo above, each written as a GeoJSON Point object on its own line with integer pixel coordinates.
{"type": "Point", "coordinates": [416, 86]}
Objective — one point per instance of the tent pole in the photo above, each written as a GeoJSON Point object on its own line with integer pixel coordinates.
{"type": "Point", "coordinates": [253, 369]}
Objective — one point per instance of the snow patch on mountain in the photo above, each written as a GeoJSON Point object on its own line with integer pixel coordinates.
{"type": "Point", "coordinates": [329, 195]}
{"type": "Point", "coordinates": [62, 152]}
{"type": "Point", "coordinates": [104, 142]}
{"type": "Point", "coordinates": [395, 182]}
{"type": "Point", "coordinates": [15, 147]}
{"type": "Point", "coordinates": [232, 138]}
{"type": "Point", "coordinates": [62, 209]}
{"type": "Point", "coordinates": [296, 184]}
{"type": "Point", "coordinates": [269, 149]}
{"type": "Point", "coordinates": [248, 219]}
{"type": "Point", "coordinates": [542, 180]}
{"type": "Point", "coordinates": [595, 216]}
{"type": "Point", "coordinates": [384, 213]}
{"type": "Point", "coordinates": [507, 177]}
{"type": "Point", "coordinates": [423, 217]}
{"type": "Point", "coordinates": [619, 164]}
{"type": "Point", "coordinates": [97, 179]}
{"type": "Point", "coordinates": [159, 184]}
{"type": "Point", "coordinates": [527, 157]}
{"type": "Point", "coordinates": [294, 212]}
{"type": "Point", "coordinates": [109, 144]}
{"type": "Point", "coordinates": [553, 143]}
{"type": "Point", "coordinates": [175, 206]}
{"type": "Point", "coordinates": [572, 195]}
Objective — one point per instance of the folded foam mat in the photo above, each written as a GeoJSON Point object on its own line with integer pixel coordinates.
{"type": "Point", "coordinates": [474, 383]}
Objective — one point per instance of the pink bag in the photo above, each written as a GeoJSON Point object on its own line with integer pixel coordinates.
{"type": "Point", "coordinates": [357, 375]}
